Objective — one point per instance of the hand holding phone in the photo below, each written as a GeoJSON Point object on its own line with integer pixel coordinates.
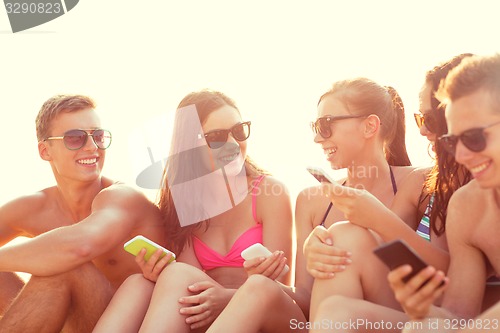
{"type": "Point", "coordinates": [398, 253]}
{"type": "Point", "coordinates": [258, 250]}
{"type": "Point", "coordinates": [320, 175]}
{"type": "Point", "coordinates": [136, 244]}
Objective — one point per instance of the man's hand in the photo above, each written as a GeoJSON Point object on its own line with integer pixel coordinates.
{"type": "Point", "coordinates": [417, 295]}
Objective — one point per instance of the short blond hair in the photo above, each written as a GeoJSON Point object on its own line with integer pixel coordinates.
{"type": "Point", "coordinates": [57, 105]}
{"type": "Point", "coordinates": [473, 73]}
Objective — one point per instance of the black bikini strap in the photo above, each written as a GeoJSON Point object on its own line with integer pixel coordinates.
{"type": "Point", "coordinates": [328, 209]}
{"type": "Point", "coordinates": [326, 214]}
{"type": "Point", "coordinates": [394, 189]}
{"type": "Point", "coordinates": [393, 180]}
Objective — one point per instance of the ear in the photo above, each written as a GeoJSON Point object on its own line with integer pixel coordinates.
{"type": "Point", "coordinates": [372, 125]}
{"type": "Point", "coordinates": [44, 151]}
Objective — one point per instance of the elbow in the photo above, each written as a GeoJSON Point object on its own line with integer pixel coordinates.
{"type": "Point", "coordinates": [83, 252]}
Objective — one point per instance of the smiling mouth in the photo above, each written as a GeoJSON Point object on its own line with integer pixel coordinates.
{"type": "Point", "coordinates": [229, 158]}
{"type": "Point", "coordinates": [87, 161]}
{"type": "Point", "coordinates": [330, 151]}
{"type": "Point", "coordinates": [479, 168]}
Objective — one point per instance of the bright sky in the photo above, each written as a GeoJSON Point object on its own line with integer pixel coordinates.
{"type": "Point", "coordinates": [137, 59]}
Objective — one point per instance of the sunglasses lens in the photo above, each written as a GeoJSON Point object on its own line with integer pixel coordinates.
{"type": "Point", "coordinates": [449, 143]}
{"type": "Point", "coordinates": [75, 139]}
{"type": "Point", "coordinates": [419, 119]}
{"type": "Point", "coordinates": [474, 139]}
{"type": "Point", "coordinates": [216, 139]}
{"type": "Point", "coordinates": [241, 132]}
{"type": "Point", "coordinates": [102, 138]}
{"type": "Point", "coordinates": [323, 126]}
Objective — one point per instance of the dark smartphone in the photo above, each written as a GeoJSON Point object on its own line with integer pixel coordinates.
{"type": "Point", "coordinates": [320, 175]}
{"type": "Point", "coordinates": [398, 253]}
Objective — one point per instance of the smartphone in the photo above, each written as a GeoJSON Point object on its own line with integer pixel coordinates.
{"type": "Point", "coordinates": [398, 253]}
{"type": "Point", "coordinates": [137, 243]}
{"type": "Point", "coordinates": [259, 250]}
{"type": "Point", "coordinates": [320, 174]}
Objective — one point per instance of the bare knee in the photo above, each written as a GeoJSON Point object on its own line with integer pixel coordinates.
{"type": "Point", "coordinates": [335, 307]}
{"type": "Point", "coordinates": [180, 274]}
{"type": "Point", "coordinates": [351, 234]}
{"type": "Point", "coordinates": [261, 288]}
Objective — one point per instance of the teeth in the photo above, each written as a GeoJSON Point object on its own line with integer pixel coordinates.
{"type": "Point", "coordinates": [88, 161]}
{"type": "Point", "coordinates": [479, 168]}
{"type": "Point", "coordinates": [228, 158]}
{"type": "Point", "coordinates": [330, 151]}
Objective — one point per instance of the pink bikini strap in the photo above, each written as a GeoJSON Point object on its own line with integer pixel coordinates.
{"type": "Point", "coordinates": [254, 197]}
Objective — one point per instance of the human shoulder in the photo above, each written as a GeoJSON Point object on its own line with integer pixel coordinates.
{"type": "Point", "coordinates": [28, 204]}
{"type": "Point", "coordinates": [402, 172]}
{"type": "Point", "coordinates": [465, 208]}
{"type": "Point", "coordinates": [311, 196]}
{"type": "Point", "coordinates": [270, 186]}
{"type": "Point", "coordinates": [310, 206]}
{"type": "Point", "coordinates": [468, 194]}
{"type": "Point", "coordinates": [122, 195]}
{"type": "Point", "coordinates": [414, 180]}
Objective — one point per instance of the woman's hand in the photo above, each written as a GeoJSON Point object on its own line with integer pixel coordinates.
{"type": "Point", "coordinates": [206, 304]}
{"type": "Point", "coordinates": [418, 294]}
{"type": "Point", "coordinates": [323, 259]}
{"type": "Point", "coordinates": [152, 268]}
{"type": "Point", "coordinates": [271, 267]}
{"type": "Point", "coordinates": [359, 206]}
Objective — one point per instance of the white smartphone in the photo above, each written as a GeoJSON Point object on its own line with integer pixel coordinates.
{"type": "Point", "coordinates": [259, 250]}
{"type": "Point", "coordinates": [320, 175]}
{"type": "Point", "coordinates": [138, 243]}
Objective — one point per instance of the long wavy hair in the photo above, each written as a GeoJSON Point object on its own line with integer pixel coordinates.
{"type": "Point", "coordinates": [363, 96]}
{"type": "Point", "coordinates": [446, 175]}
{"type": "Point", "coordinates": [205, 101]}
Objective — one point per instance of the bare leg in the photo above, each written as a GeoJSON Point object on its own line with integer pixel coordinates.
{"type": "Point", "coordinates": [128, 306]}
{"type": "Point", "coordinates": [72, 301]}
{"type": "Point", "coordinates": [250, 309]}
{"type": "Point", "coordinates": [10, 286]}
{"type": "Point", "coordinates": [163, 314]}
{"type": "Point", "coordinates": [365, 278]}
{"type": "Point", "coordinates": [355, 315]}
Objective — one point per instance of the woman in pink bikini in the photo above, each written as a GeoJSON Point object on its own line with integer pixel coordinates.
{"type": "Point", "coordinates": [216, 202]}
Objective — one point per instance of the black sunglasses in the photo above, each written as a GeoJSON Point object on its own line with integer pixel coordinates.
{"type": "Point", "coordinates": [473, 139]}
{"type": "Point", "coordinates": [218, 138]}
{"type": "Point", "coordinates": [77, 138]}
{"type": "Point", "coordinates": [322, 124]}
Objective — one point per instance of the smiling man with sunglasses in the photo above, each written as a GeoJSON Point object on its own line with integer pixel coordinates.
{"type": "Point", "coordinates": [472, 95]}
{"type": "Point", "coordinates": [76, 229]}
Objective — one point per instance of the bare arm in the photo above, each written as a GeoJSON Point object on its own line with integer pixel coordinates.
{"type": "Point", "coordinates": [405, 203]}
{"type": "Point", "coordinates": [114, 214]}
{"type": "Point", "coordinates": [468, 269]}
{"type": "Point", "coordinates": [275, 211]}
{"type": "Point", "coordinates": [364, 209]}
{"type": "Point", "coordinates": [14, 216]}
{"type": "Point", "coordinates": [303, 227]}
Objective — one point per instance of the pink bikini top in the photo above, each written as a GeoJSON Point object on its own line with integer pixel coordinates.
{"type": "Point", "coordinates": [210, 259]}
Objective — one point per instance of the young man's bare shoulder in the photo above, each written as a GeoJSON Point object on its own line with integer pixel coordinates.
{"type": "Point", "coordinates": [30, 203]}
{"type": "Point", "coordinates": [123, 195]}
{"type": "Point", "coordinates": [469, 194]}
